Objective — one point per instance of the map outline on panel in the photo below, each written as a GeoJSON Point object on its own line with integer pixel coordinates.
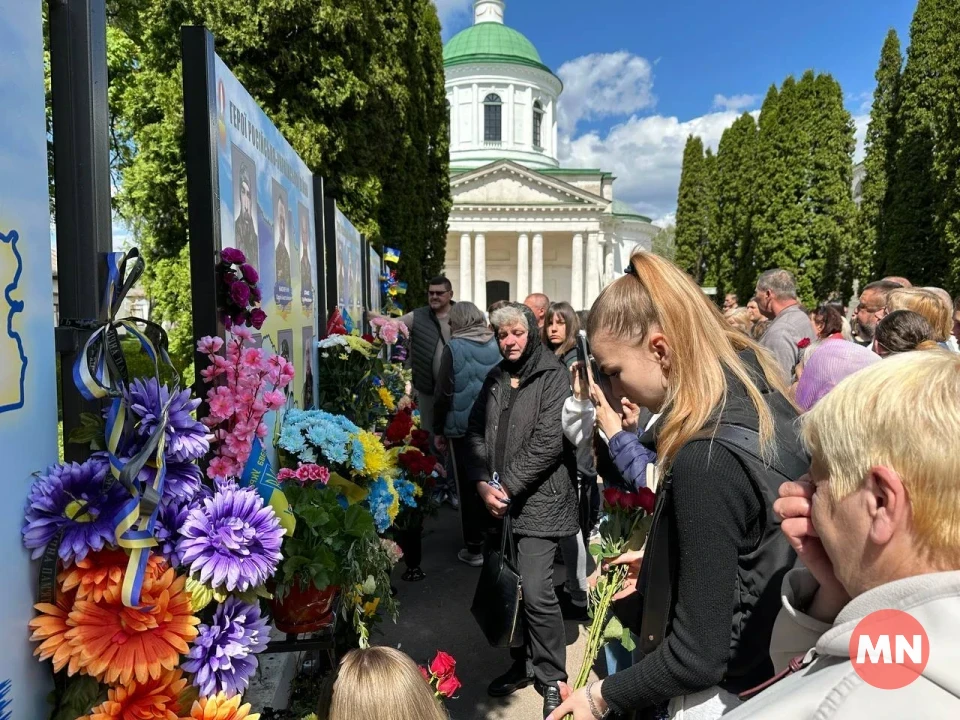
{"type": "Point", "coordinates": [16, 307]}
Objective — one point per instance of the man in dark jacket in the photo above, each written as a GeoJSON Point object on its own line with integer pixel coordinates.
{"type": "Point", "coordinates": [523, 465]}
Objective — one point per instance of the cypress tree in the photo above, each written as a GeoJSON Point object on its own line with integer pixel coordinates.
{"type": "Point", "coordinates": [912, 246]}
{"type": "Point", "coordinates": [867, 261]}
{"type": "Point", "coordinates": [711, 259]}
{"type": "Point", "coordinates": [947, 159]}
{"type": "Point", "coordinates": [692, 210]}
{"type": "Point", "coordinates": [735, 202]}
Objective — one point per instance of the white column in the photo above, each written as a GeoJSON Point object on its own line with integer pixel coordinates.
{"type": "Point", "coordinates": [536, 265]}
{"type": "Point", "coordinates": [523, 267]}
{"type": "Point", "coordinates": [509, 135]}
{"type": "Point", "coordinates": [477, 117]}
{"type": "Point", "coordinates": [592, 283]}
{"type": "Point", "coordinates": [465, 268]}
{"type": "Point", "coordinates": [576, 272]}
{"type": "Point", "coordinates": [608, 263]}
{"type": "Point", "coordinates": [480, 272]}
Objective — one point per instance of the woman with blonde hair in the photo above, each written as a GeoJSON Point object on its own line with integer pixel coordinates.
{"type": "Point", "coordinates": [725, 441]}
{"type": "Point", "coordinates": [739, 318]}
{"type": "Point", "coordinates": [927, 305]}
{"type": "Point", "coordinates": [380, 683]}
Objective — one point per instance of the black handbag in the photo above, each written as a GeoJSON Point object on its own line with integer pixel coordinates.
{"type": "Point", "coordinates": [498, 601]}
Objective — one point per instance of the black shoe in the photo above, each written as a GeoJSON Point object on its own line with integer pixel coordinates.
{"type": "Point", "coordinates": [512, 680]}
{"type": "Point", "coordinates": [551, 699]}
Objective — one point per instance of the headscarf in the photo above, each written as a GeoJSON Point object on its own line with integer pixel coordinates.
{"type": "Point", "coordinates": [530, 357]}
{"type": "Point", "coordinates": [830, 363]}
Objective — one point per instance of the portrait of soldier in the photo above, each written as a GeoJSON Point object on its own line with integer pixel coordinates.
{"type": "Point", "coordinates": [283, 254]}
{"type": "Point", "coordinates": [245, 230]}
{"type": "Point", "coordinates": [306, 273]}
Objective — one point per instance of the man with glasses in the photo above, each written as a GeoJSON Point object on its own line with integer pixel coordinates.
{"type": "Point", "coordinates": [872, 308]}
{"type": "Point", "coordinates": [429, 333]}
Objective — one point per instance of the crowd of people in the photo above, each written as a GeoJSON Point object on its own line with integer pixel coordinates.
{"type": "Point", "coordinates": [803, 475]}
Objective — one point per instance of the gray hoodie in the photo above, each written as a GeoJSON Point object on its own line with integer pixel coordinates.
{"type": "Point", "coordinates": [828, 687]}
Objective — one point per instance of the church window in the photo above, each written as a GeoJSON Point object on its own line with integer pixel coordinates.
{"type": "Point", "coordinates": [492, 118]}
{"type": "Point", "coordinates": [537, 124]}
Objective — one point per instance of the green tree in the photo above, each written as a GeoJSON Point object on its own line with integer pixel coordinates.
{"type": "Point", "coordinates": [735, 202]}
{"type": "Point", "coordinates": [880, 138]}
{"type": "Point", "coordinates": [356, 86]}
{"type": "Point", "coordinates": [946, 164]}
{"type": "Point", "coordinates": [912, 245]}
{"type": "Point", "coordinates": [692, 211]}
{"type": "Point", "coordinates": [664, 243]}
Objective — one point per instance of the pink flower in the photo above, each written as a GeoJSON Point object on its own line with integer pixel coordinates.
{"type": "Point", "coordinates": [209, 374]}
{"type": "Point", "coordinates": [261, 431]}
{"type": "Point", "coordinates": [313, 473]}
{"type": "Point", "coordinates": [252, 356]}
{"type": "Point", "coordinates": [286, 474]}
{"type": "Point", "coordinates": [377, 321]}
{"type": "Point", "coordinates": [274, 399]}
{"type": "Point", "coordinates": [389, 334]}
{"type": "Point", "coordinates": [221, 403]}
{"type": "Point", "coordinates": [243, 333]}
{"type": "Point", "coordinates": [219, 467]}
{"type": "Point", "coordinates": [257, 316]}
{"type": "Point", "coordinates": [210, 345]}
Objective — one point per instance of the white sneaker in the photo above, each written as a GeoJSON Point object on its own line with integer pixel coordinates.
{"type": "Point", "coordinates": [471, 559]}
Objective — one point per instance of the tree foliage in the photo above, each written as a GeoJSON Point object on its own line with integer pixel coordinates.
{"type": "Point", "coordinates": [881, 134]}
{"type": "Point", "coordinates": [356, 86]}
{"type": "Point", "coordinates": [664, 243]}
{"type": "Point", "coordinates": [693, 211]}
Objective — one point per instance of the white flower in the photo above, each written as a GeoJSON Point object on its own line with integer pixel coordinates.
{"type": "Point", "coordinates": [333, 341]}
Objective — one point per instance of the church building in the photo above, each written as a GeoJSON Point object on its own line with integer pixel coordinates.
{"type": "Point", "coordinates": [520, 223]}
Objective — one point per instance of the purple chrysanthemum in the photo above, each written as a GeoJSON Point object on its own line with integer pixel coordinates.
{"type": "Point", "coordinates": [182, 482]}
{"type": "Point", "coordinates": [186, 438]}
{"type": "Point", "coordinates": [232, 540]}
{"type": "Point", "coordinates": [223, 656]}
{"type": "Point", "coordinates": [71, 498]}
{"type": "Point", "coordinates": [170, 519]}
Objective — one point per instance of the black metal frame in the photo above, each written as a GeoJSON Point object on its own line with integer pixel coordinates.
{"type": "Point", "coordinates": [203, 186]}
{"type": "Point", "coordinates": [330, 243]}
{"type": "Point", "coordinates": [320, 252]}
{"type": "Point", "coordinates": [81, 145]}
{"type": "Point", "coordinates": [365, 274]}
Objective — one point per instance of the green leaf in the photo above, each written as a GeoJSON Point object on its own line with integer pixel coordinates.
{"type": "Point", "coordinates": [627, 640]}
{"type": "Point", "coordinates": [90, 432]}
{"type": "Point", "coordinates": [79, 696]}
{"type": "Point", "coordinates": [596, 550]}
{"type": "Point", "coordinates": [613, 630]}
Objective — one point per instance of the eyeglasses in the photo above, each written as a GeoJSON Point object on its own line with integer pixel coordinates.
{"type": "Point", "coordinates": [437, 293]}
{"type": "Point", "coordinates": [863, 308]}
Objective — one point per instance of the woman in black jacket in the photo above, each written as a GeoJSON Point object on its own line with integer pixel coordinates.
{"type": "Point", "coordinates": [715, 557]}
{"type": "Point", "coordinates": [515, 440]}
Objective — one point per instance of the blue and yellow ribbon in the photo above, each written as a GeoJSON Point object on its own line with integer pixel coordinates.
{"type": "Point", "coordinates": [100, 372]}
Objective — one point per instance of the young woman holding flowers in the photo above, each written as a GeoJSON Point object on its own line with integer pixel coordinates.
{"type": "Point", "coordinates": [710, 592]}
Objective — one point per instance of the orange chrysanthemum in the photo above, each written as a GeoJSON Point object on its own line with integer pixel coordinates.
{"type": "Point", "coordinates": [153, 700]}
{"type": "Point", "coordinates": [119, 644]}
{"type": "Point", "coordinates": [51, 627]}
{"type": "Point", "coordinates": [100, 575]}
{"type": "Point", "coordinates": [219, 707]}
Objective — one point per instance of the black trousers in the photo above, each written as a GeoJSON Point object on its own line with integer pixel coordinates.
{"type": "Point", "coordinates": [544, 650]}
{"type": "Point", "coordinates": [474, 518]}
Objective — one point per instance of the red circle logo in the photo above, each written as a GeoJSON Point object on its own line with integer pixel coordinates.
{"type": "Point", "coordinates": [889, 649]}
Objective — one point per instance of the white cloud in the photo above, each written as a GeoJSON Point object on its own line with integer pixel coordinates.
{"type": "Point", "coordinates": [450, 10]}
{"type": "Point", "coordinates": [645, 153]}
{"type": "Point", "coordinates": [604, 85]}
{"type": "Point", "coordinates": [734, 102]}
{"type": "Point", "coordinates": [666, 220]}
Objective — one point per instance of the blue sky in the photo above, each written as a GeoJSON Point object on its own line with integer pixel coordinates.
{"type": "Point", "coordinates": [641, 76]}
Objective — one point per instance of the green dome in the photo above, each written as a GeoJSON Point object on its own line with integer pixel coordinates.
{"type": "Point", "coordinates": [493, 43]}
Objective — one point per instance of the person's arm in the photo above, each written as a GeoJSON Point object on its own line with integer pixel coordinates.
{"type": "Point", "coordinates": [715, 506]}
{"type": "Point", "coordinates": [475, 441]}
{"type": "Point", "coordinates": [443, 395]}
{"type": "Point", "coordinates": [794, 631]}
{"type": "Point", "coordinates": [544, 450]}
{"type": "Point", "coordinates": [631, 458]}
{"type": "Point", "coordinates": [408, 321]}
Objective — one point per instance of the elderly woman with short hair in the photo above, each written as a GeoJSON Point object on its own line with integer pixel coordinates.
{"type": "Point", "coordinates": [515, 433]}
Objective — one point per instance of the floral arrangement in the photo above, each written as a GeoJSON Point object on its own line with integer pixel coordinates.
{"type": "Point", "coordinates": [246, 384]}
{"type": "Point", "coordinates": [238, 292]}
{"type": "Point", "coordinates": [624, 527]}
{"type": "Point", "coordinates": [441, 676]}
{"type": "Point", "coordinates": [388, 330]}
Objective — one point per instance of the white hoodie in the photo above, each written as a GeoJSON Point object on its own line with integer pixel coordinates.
{"type": "Point", "coordinates": [828, 687]}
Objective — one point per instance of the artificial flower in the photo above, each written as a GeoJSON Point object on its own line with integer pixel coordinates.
{"type": "Point", "coordinates": [257, 316]}
{"type": "Point", "coordinates": [249, 273]}
{"type": "Point", "coordinates": [181, 482]}
{"type": "Point", "coordinates": [312, 472]}
{"type": "Point", "coordinates": [376, 460]}
{"type": "Point", "coordinates": [220, 707]}
{"type": "Point", "coordinates": [383, 502]}
{"type": "Point", "coordinates": [170, 519]}
{"type": "Point", "coordinates": [99, 576]}
{"type": "Point", "coordinates": [115, 643]}
{"type": "Point", "coordinates": [70, 499]}
{"type": "Point", "coordinates": [387, 399]}
{"type": "Point", "coordinates": [155, 699]}
{"type": "Point", "coordinates": [223, 657]}
{"type": "Point", "coordinates": [232, 256]}
{"type": "Point", "coordinates": [210, 345]}
{"type": "Point", "coordinates": [400, 427]}
{"type": "Point", "coordinates": [393, 550]}
{"type": "Point", "coordinates": [186, 438]}
{"type": "Point", "coordinates": [51, 626]}
{"type": "Point", "coordinates": [420, 439]}
{"type": "Point", "coordinates": [232, 540]}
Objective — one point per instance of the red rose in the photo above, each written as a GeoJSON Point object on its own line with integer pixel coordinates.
{"type": "Point", "coordinates": [368, 337]}
{"type": "Point", "coordinates": [647, 499]}
{"type": "Point", "coordinates": [257, 318]}
{"type": "Point", "coordinates": [803, 343]}
{"type": "Point", "coordinates": [448, 687]}
{"type": "Point", "coordinates": [629, 500]}
{"type": "Point", "coordinates": [443, 666]}
{"type": "Point", "coordinates": [612, 497]}
{"type": "Point", "coordinates": [424, 672]}
{"type": "Point", "coordinates": [420, 439]}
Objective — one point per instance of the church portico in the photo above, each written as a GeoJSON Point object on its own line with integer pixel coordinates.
{"type": "Point", "coordinates": [520, 223]}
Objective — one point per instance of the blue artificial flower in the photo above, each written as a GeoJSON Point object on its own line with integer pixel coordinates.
{"type": "Point", "coordinates": [358, 456]}
{"type": "Point", "coordinates": [379, 500]}
{"type": "Point", "coordinates": [407, 492]}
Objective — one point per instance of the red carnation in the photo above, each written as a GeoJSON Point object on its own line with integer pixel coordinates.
{"type": "Point", "coordinates": [420, 439]}
{"type": "Point", "coordinates": [399, 427]}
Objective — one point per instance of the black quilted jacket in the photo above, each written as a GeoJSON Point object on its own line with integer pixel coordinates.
{"type": "Point", "coordinates": [540, 465]}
